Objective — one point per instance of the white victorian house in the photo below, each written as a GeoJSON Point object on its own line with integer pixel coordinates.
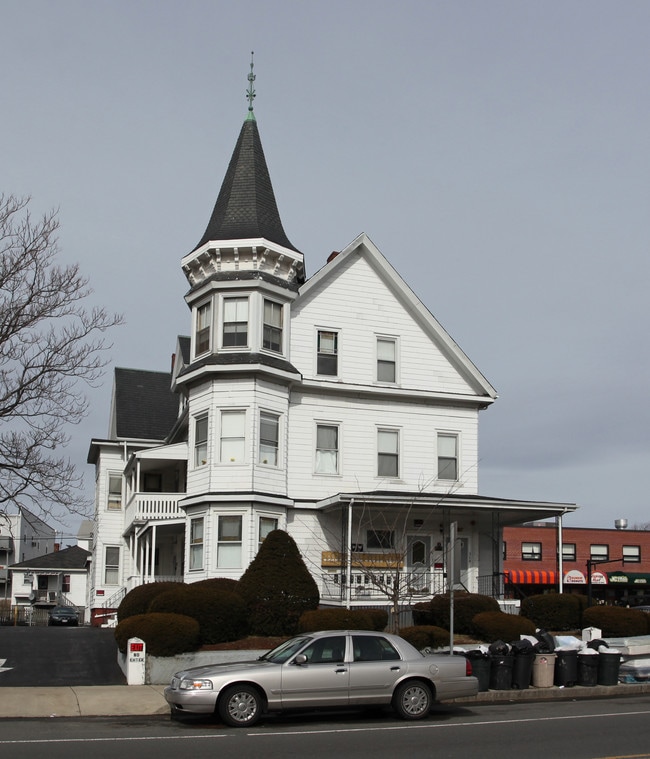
{"type": "Point", "coordinates": [334, 407]}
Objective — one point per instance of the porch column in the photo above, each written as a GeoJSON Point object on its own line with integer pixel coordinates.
{"type": "Point", "coordinates": [152, 567]}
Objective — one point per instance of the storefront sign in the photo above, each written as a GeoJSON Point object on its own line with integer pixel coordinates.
{"type": "Point", "coordinates": [575, 577]}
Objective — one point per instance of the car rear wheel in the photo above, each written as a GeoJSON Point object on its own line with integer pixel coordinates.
{"type": "Point", "coordinates": [412, 700]}
{"type": "Point", "coordinates": [240, 706]}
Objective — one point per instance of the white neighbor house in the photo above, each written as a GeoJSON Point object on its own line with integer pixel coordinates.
{"type": "Point", "coordinates": [336, 408]}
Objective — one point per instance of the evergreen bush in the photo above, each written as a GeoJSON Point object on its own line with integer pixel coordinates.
{"type": "Point", "coordinates": [425, 636]}
{"type": "Point", "coordinates": [555, 611]}
{"type": "Point", "coordinates": [379, 618]}
{"type": "Point", "coordinates": [277, 587]}
{"type": "Point", "coordinates": [491, 626]}
{"type": "Point", "coordinates": [164, 634]}
{"type": "Point", "coordinates": [221, 615]}
{"type": "Point", "coordinates": [334, 619]}
{"type": "Point", "coordinates": [616, 621]}
{"type": "Point", "coordinates": [466, 607]}
{"type": "Point", "coordinates": [137, 601]}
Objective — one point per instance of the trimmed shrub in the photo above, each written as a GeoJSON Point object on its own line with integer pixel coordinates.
{"type": "Point", "coordinates": [466, 607]}
{"type": "Point", "coordinates": [218, 583]}
{"type": "Point", "coordinates": [137, 601]}
{"type": "Point", "coordinates": [616, 621]}
{"type": "Point", "coordinates": [221, 614]}
{"type": "Point", "coordinates": [277, 587]}
{"type": "Point", "coordinates": [334, 619]}
{"type": "Point", "coordinates": [555, 611]}
{"type": "Point", "coordinates": [422, 614]}
{"type": "Point", "coordinates": [496, 625]}
{"type": "Point", "coordinates": [425, 636]}
{"type": "Point", "coordinates": [164, 634]}
{"type": "Point", "coordinates": [379, 618]}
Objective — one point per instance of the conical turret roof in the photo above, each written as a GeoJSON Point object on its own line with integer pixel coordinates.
{"type": "Point", "coordinates": [246, 206]}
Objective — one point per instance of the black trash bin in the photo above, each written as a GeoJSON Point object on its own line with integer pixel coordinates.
{"type": "Point", "coordinates": [522, 670]}
{"type": "Point", "coordinates": [588, 669]}
{"type": "Point", "coordinates": [480, 668]}
{"type": "Point", "coordinates": [566, 668]}
{"type": "Point", "coordinates": [608, 664]}
{"type": "Point", "coordinates": [501, 671]}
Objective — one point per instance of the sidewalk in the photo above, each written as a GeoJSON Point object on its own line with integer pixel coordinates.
{"type": "Point", "coordinates": [148, 700]}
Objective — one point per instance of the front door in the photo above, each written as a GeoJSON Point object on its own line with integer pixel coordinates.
{"type": "Point", "coordinates": [419, 563]}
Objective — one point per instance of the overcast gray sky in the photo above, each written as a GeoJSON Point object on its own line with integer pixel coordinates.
{"type": "Point", "coordinates": [496, 151]}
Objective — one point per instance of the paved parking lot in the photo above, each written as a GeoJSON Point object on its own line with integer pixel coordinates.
{"type": "Point", "coordinates": [55, 656]}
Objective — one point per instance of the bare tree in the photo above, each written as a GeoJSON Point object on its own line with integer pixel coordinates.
{"type": "Point", "coordinates": [51, 349]}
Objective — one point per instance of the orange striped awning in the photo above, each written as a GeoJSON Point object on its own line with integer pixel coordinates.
{"type": "Point", "coordinates": [530, 576]}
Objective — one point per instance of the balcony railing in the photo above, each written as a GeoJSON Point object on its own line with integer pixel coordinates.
{"type": "Point", "coordinates": [153, 506]}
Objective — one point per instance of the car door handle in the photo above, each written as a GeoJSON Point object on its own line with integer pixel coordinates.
{"type": "Point", "coordinates": [340, 671]}
{"type": "Point", "coordinates": [395, 669]}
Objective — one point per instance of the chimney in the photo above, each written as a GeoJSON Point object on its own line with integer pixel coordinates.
{"type": "Point", "coordinates": [333, 255]}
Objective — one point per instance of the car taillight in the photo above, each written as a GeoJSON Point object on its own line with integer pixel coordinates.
{"type": "Point", "coordinates": [468, 667]}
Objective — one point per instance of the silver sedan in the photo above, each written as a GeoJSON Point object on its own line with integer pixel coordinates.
{"type": "Point", "coordinates": [336, 668]}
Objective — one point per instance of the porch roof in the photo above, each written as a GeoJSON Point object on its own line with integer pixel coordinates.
{"type": "Point", "coordinates": [510, 511]}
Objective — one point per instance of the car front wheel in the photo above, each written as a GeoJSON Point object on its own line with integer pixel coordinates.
{"type": "Point", "coordinates": [412, 700]}
{"type": "Point", "coordinates": [240, 706]}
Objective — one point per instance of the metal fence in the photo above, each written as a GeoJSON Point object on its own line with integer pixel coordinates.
{"type": "Point", "coordinates": [29, 616]}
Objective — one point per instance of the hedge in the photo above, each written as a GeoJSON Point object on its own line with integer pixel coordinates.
{"type": "Point", "coordinates": [491, 626]}
{"type": "Point", "coordinates": [164, 634]}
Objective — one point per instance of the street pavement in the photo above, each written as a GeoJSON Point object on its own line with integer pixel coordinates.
{"type": "Point", "coordinates": [148, 700]}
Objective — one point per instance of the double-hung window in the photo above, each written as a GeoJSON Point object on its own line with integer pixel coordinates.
{"type": "Point", "coordinates": [599, 552]}
{"type": "Point", "coordinates": [631, 554]}
{"type": "Point", "coordinates": [327, 449]}
{"type": "Point", "coordinates": [568, 551]}
{"type": "Point", "coordinates": [203, 329]}
{"type": "Point", "coordinates": [531, 551]}
{"type": "Point", "coordinates": [114, 492]}
{"type": "Point", "coordinates": [388, 453]}
{"type": "Point", "coordinates": [111, 565]}
{"type": "Point", "coordinates": [380, 539]}
{"type": "Point", "coordinates": [447, 457]}
{"type": "Point", "coordinates": [272, 327]}
{"type": "Point", "coordinates": [233, 437]}
{"type": "Point", "coordinates": [267, 525]}
{"type": "Point", "coordinates": [229, 542]}
{"type": "Point", "coordinates": [196, 543]}
{"type": "Point", "coordinates": [327, 353]}
{"type": "Point", "coordinates": [269, 439]}
{"type": "Point", "coordinates": [386, 359]}
{"type": "Point", "coordinates": [201, 440]}
{"type": "Point", "coordinates": [235, 323]}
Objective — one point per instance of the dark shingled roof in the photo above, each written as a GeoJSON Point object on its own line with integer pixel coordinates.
{"type": "Point", "coordinates": [68, 558]}
{"type": "Point", "coordinates": [145, 407]}
{"type": "Point", "coordinates": [240, 359]}
{"type": "Point", "coordinates": [246, 206]}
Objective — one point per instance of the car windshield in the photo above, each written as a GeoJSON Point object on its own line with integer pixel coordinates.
{"type": "Point", "coordinates": [285, 650]}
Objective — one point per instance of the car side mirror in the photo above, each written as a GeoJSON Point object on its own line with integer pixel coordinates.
{"type": "Point", "coordinates": [300, 659]}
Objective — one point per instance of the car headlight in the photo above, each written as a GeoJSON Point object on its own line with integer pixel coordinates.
{"type": "Point", "coordinates": [196, 685]}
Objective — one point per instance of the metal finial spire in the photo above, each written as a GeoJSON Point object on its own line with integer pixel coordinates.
{"type": "Point", "coordinates": [250, 92]}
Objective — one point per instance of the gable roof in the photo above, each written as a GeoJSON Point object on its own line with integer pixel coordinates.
{"type": "Point", "coordinates": [364, 247]}
{"type": "Point", "coordinates": [246, 206]}
{"type": "Point", "coordinates": [68, 558]}
{"type": "Point", "coordinates": [144, 407]}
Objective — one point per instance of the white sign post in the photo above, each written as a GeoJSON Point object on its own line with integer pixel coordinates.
{"type": "Point", "coordinates": [135, 661]}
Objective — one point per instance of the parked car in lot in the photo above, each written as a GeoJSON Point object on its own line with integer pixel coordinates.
{"type": "Point", "coordinates": [323, 669]}
{"type": "Point", "coordinates": [63, 615]}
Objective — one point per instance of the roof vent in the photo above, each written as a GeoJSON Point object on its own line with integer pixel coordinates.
{"type": "Point", "coordinates": [620, 524]}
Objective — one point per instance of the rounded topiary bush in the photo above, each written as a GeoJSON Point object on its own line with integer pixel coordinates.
{"type": "Point", "coordinates": [422, 614]}
{"type": "Point", "coordinates": [466, 607]}
{"type": "Point", "coordinates": [425, 636]}
{"type": "Point", "coordinates": [137, 601]}
{"type": "Point", "coordinates": [496, 625]}
{"type": "Point", "coordinates": [164, 634]}
{"type": "Point", "coordinates": [218, 583]}
{"type": "Point", "coordinates": [334, 619]}
{"type": "Point", "coordinates": [221, 615]}
{"type": "Point", "coordinates": [616, 621]}
{"type": "Point", "coordinates": [554, 611]}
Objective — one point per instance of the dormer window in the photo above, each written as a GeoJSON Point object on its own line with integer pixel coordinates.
{"type": "Point", "coordinates": [235, 322]}
{"type": "Point", "coordinates": [272, 332]}
{"type": "Point", "coordinates": [203, 329]}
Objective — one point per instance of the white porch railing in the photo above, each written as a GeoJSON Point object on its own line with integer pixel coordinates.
{"type": "Point", "coordinates": [147, 506]}
{"type": "Point", "coordinates": [333, 587]}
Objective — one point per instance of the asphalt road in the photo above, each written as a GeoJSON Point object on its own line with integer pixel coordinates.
{"type": "Point", "coordinates": [578, 729]}
{"type": "Point", "coordinates": [58, 656]}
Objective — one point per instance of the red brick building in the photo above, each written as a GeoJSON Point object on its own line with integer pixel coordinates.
{"type": "Point", "coordinates": [618, 559]}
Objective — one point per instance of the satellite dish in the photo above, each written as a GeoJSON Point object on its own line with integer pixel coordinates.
{"type": "Point", "coordinates": [32, 595]}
